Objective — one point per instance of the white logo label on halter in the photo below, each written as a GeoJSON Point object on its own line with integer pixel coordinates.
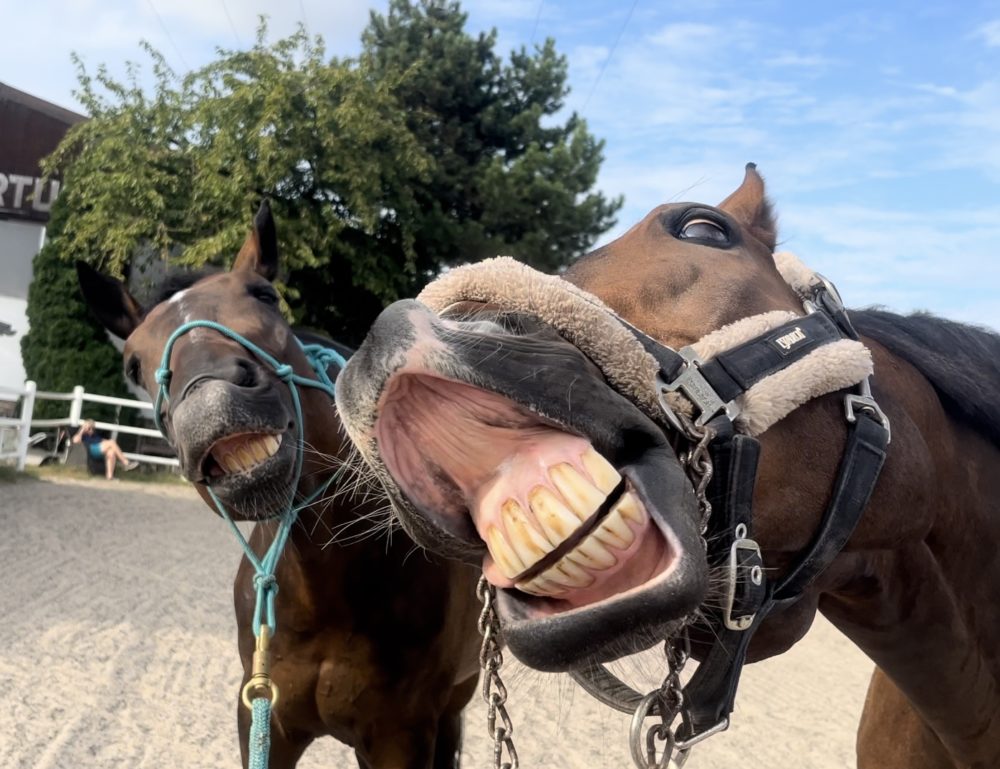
{"type": "Point", "coordinates": [790, 339]}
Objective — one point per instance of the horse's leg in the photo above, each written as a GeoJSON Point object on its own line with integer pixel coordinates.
{"type": "Point", "coordinates": [448, 743]}
{"type": "Point", "coordinates": [286, 750]}
{"type": "Point", "coordinates": [891, 734]}
{"type": "Point", "coordinates": [389, 745]}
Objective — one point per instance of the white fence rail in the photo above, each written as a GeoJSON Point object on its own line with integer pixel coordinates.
{"type": "Point", "coordinates": [24, 423]}
{"type": "Point", "coordinates": [20, 423]}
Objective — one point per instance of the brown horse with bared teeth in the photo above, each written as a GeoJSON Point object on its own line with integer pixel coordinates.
{"type": "Point", "coordinates": [373, 647]}
{"type": "Point", "coordinates": [560, 480]}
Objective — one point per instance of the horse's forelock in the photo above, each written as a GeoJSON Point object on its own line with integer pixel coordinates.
{"type": "Point", "coordinates": [178, 280]}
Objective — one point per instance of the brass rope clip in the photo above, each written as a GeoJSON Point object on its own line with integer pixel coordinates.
{"type": "Point", "coordinates": [260, 683]}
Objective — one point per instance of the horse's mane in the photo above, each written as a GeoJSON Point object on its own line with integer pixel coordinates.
{"type": "Point", "coordinates": [962, 362]}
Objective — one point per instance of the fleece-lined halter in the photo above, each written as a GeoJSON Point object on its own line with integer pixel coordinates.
{"type": "Point", "coordinates": [727, 388]}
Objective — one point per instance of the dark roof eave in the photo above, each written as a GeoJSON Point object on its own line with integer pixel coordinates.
{"type": "Point", "coordinates": [9, 93]}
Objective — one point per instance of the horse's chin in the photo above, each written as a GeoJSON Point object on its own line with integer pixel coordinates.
{"type": "Point", "coordinates": [260, 486]}
{"type": "Point", "coordinates": [591, 542]}
{"type": "Point", "coordinates": [240, 444]}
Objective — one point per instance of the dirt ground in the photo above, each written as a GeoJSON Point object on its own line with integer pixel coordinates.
{"type": "Point", "coordinates": [118, 650]}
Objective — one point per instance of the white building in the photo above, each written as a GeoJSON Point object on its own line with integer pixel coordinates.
{"type": "Point", "coordinates": [30, 129]}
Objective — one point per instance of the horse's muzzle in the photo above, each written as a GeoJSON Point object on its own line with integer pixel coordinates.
{"type": "Point", "coordinates": [502, 444]}
{"type": "Point", "coordinates": [238, 440]}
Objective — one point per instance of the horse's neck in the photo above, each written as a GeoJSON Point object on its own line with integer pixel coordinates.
{"type": "Point", "coordinates": [927, 610]}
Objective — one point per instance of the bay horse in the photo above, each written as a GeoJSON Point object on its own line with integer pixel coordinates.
{"type": "Point", "coordinates": [548, 430]}
{"type": "Point", "coordinates": [375, 646]}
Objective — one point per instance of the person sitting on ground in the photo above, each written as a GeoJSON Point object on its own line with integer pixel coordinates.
{"type": "Point", "coordinates": [98, 446]}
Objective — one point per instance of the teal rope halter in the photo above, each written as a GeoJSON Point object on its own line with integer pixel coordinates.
{"type": "Point", "coordinates": [319, 358]}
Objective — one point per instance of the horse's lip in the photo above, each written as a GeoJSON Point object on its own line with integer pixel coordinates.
{"type": "Point", "coordinates": [262, 493]}
{"type": "Point", "coordinates": [558, 640]}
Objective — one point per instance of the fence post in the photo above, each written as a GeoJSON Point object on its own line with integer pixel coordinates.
{"type": "Point", "coordinates": [27, 406]}
{"type": "Point", "coordinates": [76, 406]}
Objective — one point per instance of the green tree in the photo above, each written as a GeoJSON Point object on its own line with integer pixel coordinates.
{"type": "Point", "coordinates": [426, 151]}
{"type": "Point", "coordinates": [65, 346]}
{"type": "Point", "coordinates": [507, 176]}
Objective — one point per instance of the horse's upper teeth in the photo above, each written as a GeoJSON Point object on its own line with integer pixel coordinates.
{"type": "Point", "coordinates": [602, 472]}
{"type": "Point", "coordinates": [582, 496]}
{"type": "Point", "coordinates": [523, 538]}
{"type": "Point", "coordinates": [509, 562]}
{"type": "Point", "coordinates": [553, 516]}
{"type": "Point", "coordinates": [244, 452]}
{"type": "Point", "coordinates": [600, 550]}
{"type": "Point", "coordinates": [530, 546]}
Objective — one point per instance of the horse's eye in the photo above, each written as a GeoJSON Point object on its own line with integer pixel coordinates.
{"type": "Point", "coordinates": [133, 370]}
{"type": "Point", "coordinates": [704, 229]}
{"type": "Point", "coordinates": [265, 294]}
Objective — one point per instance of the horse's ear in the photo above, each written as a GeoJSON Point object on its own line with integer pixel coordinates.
{"type": "Point", "coordinates": [750, 206]}
{"type": "Point", "coordinates": [109, 300]}
{"type": "Point", "coordinates": [260, 249]}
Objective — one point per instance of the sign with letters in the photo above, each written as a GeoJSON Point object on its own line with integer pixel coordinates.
{"type": "Point", "coordinates": [27, 195]}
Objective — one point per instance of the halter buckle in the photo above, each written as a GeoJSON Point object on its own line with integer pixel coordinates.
{"type": "Point", "coordinates": [697, 389]}
{"type": "Point", "coordinates": [741, 546]}
{"type": "Point", "coordinates": [855, 403]}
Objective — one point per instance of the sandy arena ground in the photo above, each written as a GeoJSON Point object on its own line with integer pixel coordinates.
{"type": "Point", "coordinates": [118, 650]}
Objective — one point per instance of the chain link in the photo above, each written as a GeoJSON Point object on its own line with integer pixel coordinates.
{"type": "Point", "coordinates": [494, 690]}
{"type": "Point", "coordinates": [697, 463]}
{"type": "Point", "coordinates": [667, 702]}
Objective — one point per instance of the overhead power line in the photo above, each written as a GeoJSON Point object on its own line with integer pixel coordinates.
{"type": "Point", "coordinates": [611, 53]}
{"type": "Point", "coordinates": [538, 16]}
{"type": "Point", "coordinates": [170, 37]}
{"type": "Point", "coordinates": [232, 26]}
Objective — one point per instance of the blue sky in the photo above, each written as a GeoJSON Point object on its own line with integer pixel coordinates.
{"type": "Point", "coordinates": [877, 126]}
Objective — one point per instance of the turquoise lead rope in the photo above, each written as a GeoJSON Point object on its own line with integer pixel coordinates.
{"type": "Point", "coordinates": [260, 693]}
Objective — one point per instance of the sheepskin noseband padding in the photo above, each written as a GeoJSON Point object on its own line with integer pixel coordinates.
{"type": "Point", "coordinates": [586, 322]}
{"type": "Point", "coordinates": [581, 318]}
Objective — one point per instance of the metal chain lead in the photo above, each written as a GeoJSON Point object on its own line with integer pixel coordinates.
{"type": "Point", "coordinates": [494, 691]}
{"type": "Point", "coordinates": [697, 463]}
{"type": "Point", "coordinates": [667, 702]}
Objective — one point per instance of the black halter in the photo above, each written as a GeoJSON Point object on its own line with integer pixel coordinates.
{"type": "Point", "coordinates": [711, 387]}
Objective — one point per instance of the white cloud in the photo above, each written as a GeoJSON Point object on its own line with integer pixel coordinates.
{"type": "Point", "coordinates": [686, 36]}
{"type": "Point", "coordinates": [798, 60]}
{"type": "Point", "coordinates": [906, 260]}
{"type": "Point", "coordinates": [989, 32]}
{"type": "Point", "coordinates": [109, 31]}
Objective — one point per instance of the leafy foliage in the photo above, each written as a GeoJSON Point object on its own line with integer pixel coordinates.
{"type": "Point", "coordinates": [426, 151]}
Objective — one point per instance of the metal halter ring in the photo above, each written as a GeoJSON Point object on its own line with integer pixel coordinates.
{"type": "Point", "coordinates": [646, 759]}
{"type": "Point", "coordinates": [259, 686]}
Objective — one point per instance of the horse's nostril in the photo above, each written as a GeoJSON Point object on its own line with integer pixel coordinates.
{"type": "Point", "coordinates": [246, 374]}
